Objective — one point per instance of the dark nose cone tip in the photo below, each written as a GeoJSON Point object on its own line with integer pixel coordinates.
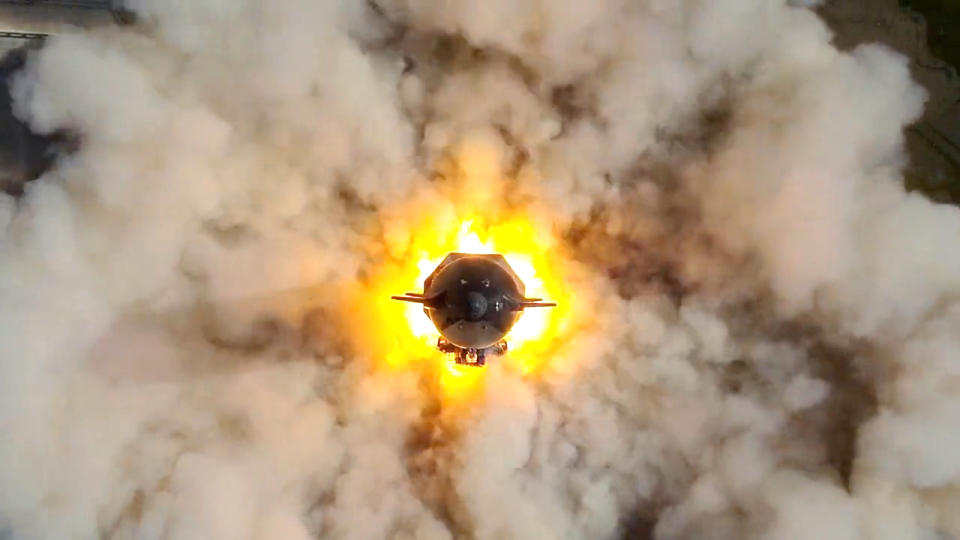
{"type": "Point", "coordinates": [476, 305]}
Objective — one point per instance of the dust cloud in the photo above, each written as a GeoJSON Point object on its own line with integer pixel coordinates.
{"type": "Point", "coordinates": [765, 336]}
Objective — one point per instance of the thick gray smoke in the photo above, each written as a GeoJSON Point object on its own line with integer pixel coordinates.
{"type": "Point", "coordinates": [770, 347]}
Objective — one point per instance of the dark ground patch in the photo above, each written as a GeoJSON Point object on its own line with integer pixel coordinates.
{"type": "Point", "coordinates": [24, 155]}
{"type": "Point", "coordinates": [928, 33]}
{"type": "Point", "coordinates": [943, 27]}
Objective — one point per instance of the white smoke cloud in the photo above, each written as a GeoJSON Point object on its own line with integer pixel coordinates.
{"type": "Point", "coordinates": [771, 349]}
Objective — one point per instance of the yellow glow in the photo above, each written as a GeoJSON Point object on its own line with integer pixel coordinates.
{"type": "Point", "coordinates": [526, 250]}
{"type": "Point", "coordinates": [400, 336]}
{"type": "Point", "coordinates": [457, 380]}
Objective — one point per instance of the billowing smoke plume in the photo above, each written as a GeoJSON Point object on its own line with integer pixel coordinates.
{"type": "Point", "coordinates": [767, 337]}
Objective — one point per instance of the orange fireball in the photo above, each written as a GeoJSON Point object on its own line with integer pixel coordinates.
{"type": "Point", "coordinates": [525, 250]}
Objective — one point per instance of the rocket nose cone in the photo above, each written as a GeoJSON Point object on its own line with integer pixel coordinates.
{"type": "Point", "coordinates": [476, 306]}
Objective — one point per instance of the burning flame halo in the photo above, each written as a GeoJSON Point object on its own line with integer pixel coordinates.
{"type": "Point", "coordinates": [408, 335]}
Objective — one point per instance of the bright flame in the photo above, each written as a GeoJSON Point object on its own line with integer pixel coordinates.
{"type": "Point", "coordinates": [526, 253]}
{"type": "Point", "coordinates": [407, 339]}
